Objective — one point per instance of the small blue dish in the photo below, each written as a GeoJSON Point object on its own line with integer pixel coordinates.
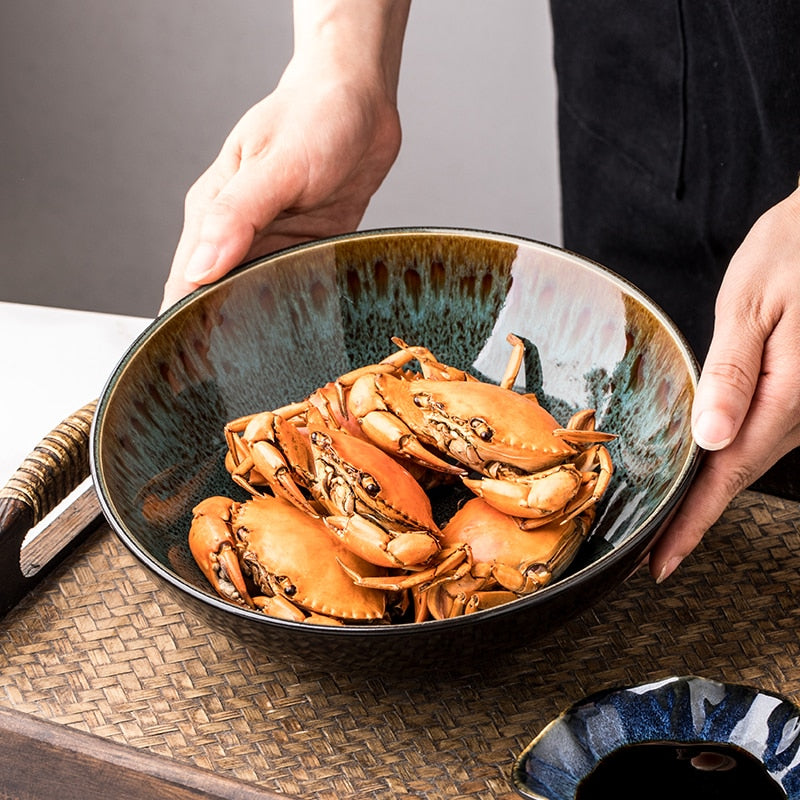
{"type": "Point", "coordinates": [683, 737]}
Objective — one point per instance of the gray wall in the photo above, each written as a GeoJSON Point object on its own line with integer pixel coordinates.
{"type": "Point", "coordinates": [111, 109]}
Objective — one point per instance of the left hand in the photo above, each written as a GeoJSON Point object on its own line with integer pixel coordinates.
{"type": "Point", "coordinates": [746, 411]}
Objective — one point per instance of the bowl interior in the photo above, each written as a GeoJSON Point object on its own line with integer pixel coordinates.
{"type": "Point", "coordinates": [275, 330]}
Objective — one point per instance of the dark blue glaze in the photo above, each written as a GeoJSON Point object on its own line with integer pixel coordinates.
{"type": "Point", "coordinates": [688, 710]}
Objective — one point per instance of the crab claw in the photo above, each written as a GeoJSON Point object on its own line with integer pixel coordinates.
{"type": "Point", "coordinates": [538, 494]}
{"type": "Point", "coordinates": [267, 448]}
{"type": "Point", "coordinates": [397, 439]}
{"type": "Point", "coordinates": [445, 601]}
{"type": "Point", "coordinates": [214, 549]}
{"type": "Point", "coordinates": [385, 429]}
{"type": "Point", "coordinates": [378, 546]}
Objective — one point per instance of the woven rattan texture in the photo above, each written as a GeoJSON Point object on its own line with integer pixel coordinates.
{"type": "Point", "coordinates": [99, 647]}
{"type": "Point", "coordinates": [55, 467]}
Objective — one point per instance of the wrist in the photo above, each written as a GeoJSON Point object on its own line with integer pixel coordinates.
{"type": "Point", "coordinates": [351, 41]}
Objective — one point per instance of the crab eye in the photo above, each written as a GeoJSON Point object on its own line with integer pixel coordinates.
{"type": "Point", "coordinates": [481, 427]}
{"type": "Point", "coordinates": [370, 485]}
{"type": "Point", "coordinates": [319, 439]}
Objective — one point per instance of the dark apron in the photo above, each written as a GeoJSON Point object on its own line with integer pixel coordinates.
{"type": "Point", "coordinates": [679, 125]}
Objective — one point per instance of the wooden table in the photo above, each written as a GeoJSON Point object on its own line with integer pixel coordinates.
{"type": "Point", "coordinates": [109, 688]}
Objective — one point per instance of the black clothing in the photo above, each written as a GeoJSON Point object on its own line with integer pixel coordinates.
{"type": "Point", "coordinates": [679, 125]}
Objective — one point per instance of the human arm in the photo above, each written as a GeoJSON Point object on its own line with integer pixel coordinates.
{"type": "Point", "coordinates": [302, 163]}
{"type": "Point", "coordinates": [746, 412]}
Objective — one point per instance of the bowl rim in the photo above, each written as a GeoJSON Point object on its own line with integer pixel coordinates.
{"type": "Point", "coordinates": [650, 527]}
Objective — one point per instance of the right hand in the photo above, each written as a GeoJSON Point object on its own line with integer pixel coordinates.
{"type": "Point", "coordinates": [300, 165]}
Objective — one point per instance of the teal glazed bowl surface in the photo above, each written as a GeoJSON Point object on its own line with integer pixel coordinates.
{"type": "Point", "coordinates": [276, 329]}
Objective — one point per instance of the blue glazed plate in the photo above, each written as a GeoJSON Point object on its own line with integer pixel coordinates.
{"type": "Point", "coordinates": [710, 734]}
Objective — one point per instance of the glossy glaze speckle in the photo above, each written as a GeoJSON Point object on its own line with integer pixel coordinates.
{"type": "Point", "coordinates": [687, 710]}
{"type": "Point", "coordinates": [276, 329]}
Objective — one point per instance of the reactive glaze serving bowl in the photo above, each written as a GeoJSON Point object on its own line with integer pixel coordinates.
{"type": "Point", "coordinates": [276, 329]}
{"type": "Point", "coordinates": [681, 737]}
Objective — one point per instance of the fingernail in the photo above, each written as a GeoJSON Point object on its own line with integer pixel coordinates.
{"type": "Point", "coordinates": [668, 568]}
{"type": "Point", "coordinates": [713, 430]}
{"type": "Point", "coordinates": [201, 263]}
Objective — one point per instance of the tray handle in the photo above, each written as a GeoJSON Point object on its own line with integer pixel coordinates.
{"type": "Point", "coordinates": [55, 467]}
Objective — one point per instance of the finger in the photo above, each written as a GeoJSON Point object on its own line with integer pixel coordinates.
{"type": "Point", "coordinates": [246, 205]}
{"type": "Point", "coordinates": [200, 197]}
{"type": "Point", "coordinates": [727, 382]}
{"type": "Point", "coordinates": [767, 433]}
{"type": "Point", "coordinates": [704, 503]}
{"type": "Point", "coordinates": [722, 475]}
{"type": "Point", "coordinates": [222, 224]}
{"type": "Point", "coordinates": [762, 440]}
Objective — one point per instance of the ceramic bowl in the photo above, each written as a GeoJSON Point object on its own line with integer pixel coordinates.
{"type": "Point", "coordinates": [276, 329]}
{"type": "Point", "coordinates": [686, 737]}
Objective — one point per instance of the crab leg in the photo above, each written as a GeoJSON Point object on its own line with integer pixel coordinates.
{"type": "Point", "coordinates": [583, 437]}
{"type": "Point", "coordinates": [514, 361]}
{"type": "Point", "coordinates": [580, 429]}
{"type": "Point", "coordinates": [432, 368]}
{"type": "Point", "coordinates": [458, 557]}
{"type": "Point", "coordinates": [278, 606]}
{"type": "Point", "coordinates": [482, 600]}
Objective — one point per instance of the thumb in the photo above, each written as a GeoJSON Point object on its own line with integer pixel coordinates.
{"type": "Point", "coordinates": [219, 230]}
{"type": "Point", "coordinates": [208, 248]}
{"type": "Point", "coordinates": [224, 239]}
{"type": "Point", "coordinates": [228, 227]}
{"type": "Point", "coordinates": [726, 387]}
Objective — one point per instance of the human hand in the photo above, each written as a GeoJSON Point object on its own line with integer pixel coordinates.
{"type": "Point", "coordinates": [304, 162]}
{"type": "Point", "coordinates": [746, 411]}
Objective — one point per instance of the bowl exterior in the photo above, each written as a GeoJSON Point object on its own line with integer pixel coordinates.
{"type": "Point", "coordinates": [276, 329]}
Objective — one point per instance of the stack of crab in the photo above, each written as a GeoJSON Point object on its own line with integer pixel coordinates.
{"type": "Point", "coordinates": [339, 528]}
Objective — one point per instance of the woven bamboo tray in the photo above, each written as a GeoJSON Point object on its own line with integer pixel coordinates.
{"type": "Point", "coordinates": [98, 648]}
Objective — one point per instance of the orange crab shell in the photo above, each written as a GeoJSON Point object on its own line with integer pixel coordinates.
{"type": "Point", "coordinates": [522, 432]}
{"type": "Point", "coordinates": [278, 541]}
{"type": "Point", "coordinates": [497, 538]}
{"type": "Point", "coordinates": [400, 500]}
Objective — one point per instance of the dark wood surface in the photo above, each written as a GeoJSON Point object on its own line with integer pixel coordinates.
{"type": "Point", "coordinates": [43, 761]}
{"type": "Point", "coordinates": [98, 649]}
